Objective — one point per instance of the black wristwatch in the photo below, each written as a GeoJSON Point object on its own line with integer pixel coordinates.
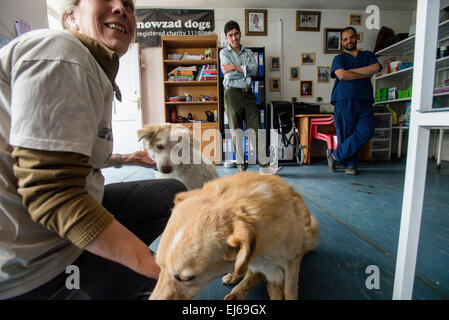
{"type": "Point", "coordinates": [117, 164]}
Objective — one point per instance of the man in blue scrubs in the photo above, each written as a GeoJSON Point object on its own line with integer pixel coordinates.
{"type": "Point", "coordinates": [352, 97]}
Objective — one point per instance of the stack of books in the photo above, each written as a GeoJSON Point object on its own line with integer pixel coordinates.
{"type": "Point", "coordinates": [207, 72]}
{"type": "Point", "coordinates": [183, 75]}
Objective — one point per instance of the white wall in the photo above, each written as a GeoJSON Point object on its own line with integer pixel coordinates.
{"type": "Point", "coordinates": [282, 40]}
{"type": "Point", "coordinates": [34, 12]}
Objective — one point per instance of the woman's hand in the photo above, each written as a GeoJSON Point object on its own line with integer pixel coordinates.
{"type": "Point", "coordinates": [139, 158]}
{"type": "Point", "coordinates": [118, 244]}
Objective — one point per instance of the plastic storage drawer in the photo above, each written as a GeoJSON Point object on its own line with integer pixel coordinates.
{"type": "Point", "coordinates": [380, 145]}
{"type": "Point", "coordinates": [381, 134]}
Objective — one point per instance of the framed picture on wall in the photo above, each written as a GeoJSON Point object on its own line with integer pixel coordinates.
{"type": "Point", "coordinates": [355, 19]}
{"type": "Point", "coordinates": [323, 74]}
{"type": "Point", "coordinates": [275, 84]}
{"type": "Point", "coordinates": [306, 88]}
{"type": "Point", "coordinates": [255, 22]}
{"type": "Point", "coordinates": [294, 73]}
{"type": "Point", "coordinates": [308, 58]}
{"type": "Point", "coordinates": [275, 63]}
{"type": "Point", "coordinates": [308, 20]}
{"type": "Point", "coordinates": [359, 37]}
{"type": "Point", "coordinates": [332, 40]}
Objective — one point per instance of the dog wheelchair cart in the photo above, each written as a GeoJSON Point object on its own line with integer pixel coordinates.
{"type": "Point", "coordinates": [284, 136]}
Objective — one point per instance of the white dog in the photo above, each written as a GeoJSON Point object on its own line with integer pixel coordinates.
{"type": "Point", "coordinates": [176, 155]}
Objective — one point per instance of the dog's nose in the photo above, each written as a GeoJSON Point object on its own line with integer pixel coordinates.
{"type": "Point", "coordinates": [166, 169]}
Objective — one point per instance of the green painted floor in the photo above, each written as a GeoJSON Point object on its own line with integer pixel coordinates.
{"type": "Point", "coordinates": [359, 220]}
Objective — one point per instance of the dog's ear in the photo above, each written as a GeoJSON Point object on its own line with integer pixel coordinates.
{"type": "Point", "coordinates": [147, 132]}
{"type": "Point", "coordinates": [184, 195]}
{"type": "Point", "coordinates": [243, 238]}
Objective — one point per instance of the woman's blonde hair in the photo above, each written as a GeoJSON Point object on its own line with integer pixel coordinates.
{"type": "Point", "coordinates": [66, 7]}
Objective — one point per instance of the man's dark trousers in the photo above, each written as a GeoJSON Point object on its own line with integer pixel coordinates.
{"type": "Point", "coordinates": [354, 123]}
{"type": "Point", "coordinates": [241, 107]}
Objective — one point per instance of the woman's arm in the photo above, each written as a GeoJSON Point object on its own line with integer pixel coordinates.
{"type": "Point", "coordinates": [52, 186]}
{"type": "Point", "coordinates": [118, 244]}
{"type": "Point", "coordinates": [138, 158]}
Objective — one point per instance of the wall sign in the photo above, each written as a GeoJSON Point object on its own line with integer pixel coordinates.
{"type": "Point", "coordinates": [154, 23]}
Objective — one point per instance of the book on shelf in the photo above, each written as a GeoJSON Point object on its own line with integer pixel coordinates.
{"type": "Point", "coordinates": [198, 78]}
{"type": "Point", "coordinates": [181, 69]}
{"type": "Point", "coordinates": [183, 79]}
{"type": "Point", "coordinates": [261, 66]}
{"type": "Point", "coordinates": [183, 72]}
{"type": "Point", "coordinates": [187, 76]}
{"type": "Point", "coordinates": [256, 57]}
{"type": "Point", "coordinates": [256, 91]}
{"type": "Point", "coordinates": [228, 148]}
{"type": "Point", "coordinates": [207, 72]}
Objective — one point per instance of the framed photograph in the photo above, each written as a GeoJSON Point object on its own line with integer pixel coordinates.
{"type": "Point", "coordinates": [359, 37]}
{"type": "Point", "coordinates": [306, 88]}
{"type": "Point", "coordinates": [275, 84]}
{"type": "Point", "coordinates": [275, 63]}
{"type": "Point", "coordinates": [255, 22]}
{"type": "Point", "coordinates": [308, 58]}
{"type": "Point", "coordinates": [323, 74]}
{"type": "Point", "coordinates": [308, 20]}
{"type": "Point", "coordinates": [355, 19]}
{"type": "Point", "coordinates": [294, 73]}
{"type": "Point", "coordinates": [332, 40]}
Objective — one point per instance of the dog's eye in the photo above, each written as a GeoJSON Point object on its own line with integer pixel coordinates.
{"type": "Point", "coordinates": [160, 146]}
{"type": "Point", "coordinates": [178, 277]}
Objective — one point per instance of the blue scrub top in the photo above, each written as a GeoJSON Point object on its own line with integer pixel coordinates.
{"type": "Point", "coordinates": [352, 89]}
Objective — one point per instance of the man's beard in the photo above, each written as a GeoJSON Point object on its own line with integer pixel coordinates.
{"type": "Point", "coordinates": [351, 49]}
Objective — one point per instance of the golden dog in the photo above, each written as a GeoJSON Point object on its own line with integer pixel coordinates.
{"type": "Point", "coordinates": [246, 223]}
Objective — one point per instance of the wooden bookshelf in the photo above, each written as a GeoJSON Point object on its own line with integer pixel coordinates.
{"type": "Point", "coordinates": [194, 46]}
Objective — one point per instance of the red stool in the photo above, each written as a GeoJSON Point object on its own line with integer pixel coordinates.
{"type": "Point", "coordinates": [330, 138]}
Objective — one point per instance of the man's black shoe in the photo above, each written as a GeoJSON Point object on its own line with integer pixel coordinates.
{"type": "Point", "coordinates": [330, 161]}
{"type": "Point", "coordinates": [352, 170]}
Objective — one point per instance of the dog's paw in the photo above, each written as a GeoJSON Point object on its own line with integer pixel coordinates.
{"type": "Point", "coordinates": [230, 279]}
{"type": "Point", "coordinates": [230, 296]}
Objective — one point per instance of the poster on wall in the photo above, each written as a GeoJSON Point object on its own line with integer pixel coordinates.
{"type": "Point", "coordinates": [154, 23]}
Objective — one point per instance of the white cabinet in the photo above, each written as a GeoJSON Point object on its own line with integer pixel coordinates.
{"type": "Point", "coordinates": [402, 79]}
{"type": "Point", "coordinates": [424, 116]}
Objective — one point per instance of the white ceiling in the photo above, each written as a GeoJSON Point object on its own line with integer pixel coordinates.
{"type": "Point", "coordinates": [282, 4]}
